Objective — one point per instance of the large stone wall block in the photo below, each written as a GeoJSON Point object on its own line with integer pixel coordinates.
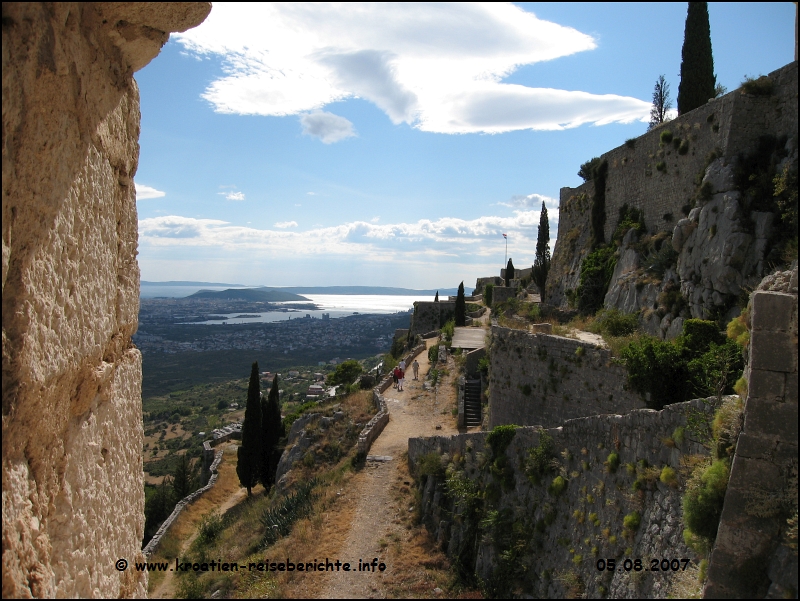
{"type": "Point", "coordinates": [776, 351]}
{"type": "Point", "coordinates": [772, 417]}
{"type": "Point", "coordinates": [767, 384]}
{"type": "Point", "coordinates": [772, 310]}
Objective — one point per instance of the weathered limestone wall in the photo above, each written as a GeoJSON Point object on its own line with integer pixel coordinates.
{"type": "Point", "coordinates": [751, 557]}
{"type": "Point", "coordinates": [555, 539]}
{"type": "Point", "coordinates": [538, 379]}
{"type": "Point", "coordinates": [73, 498]}
{"type": "Point", "coordinates": [729, 125]}
{"type": "Point", "coordinates": [430, 315]}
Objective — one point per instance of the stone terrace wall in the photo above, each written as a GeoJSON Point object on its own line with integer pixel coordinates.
{"type": "Point", "coordinates": [538, 379]}
{"type": "Point", "coordinates": [430, 315]}
{"type": "Point", "coordinates": [569, 532]}
{"type": "Point", "coordinates": [73, 485]}
{"type": "Point", "coordinates": [731, 125]}
{"type": "Point", "coordinates": [750, 557]}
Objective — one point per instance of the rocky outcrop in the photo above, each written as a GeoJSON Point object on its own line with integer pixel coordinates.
{"type": "Point", "coordinates": [73, 498]}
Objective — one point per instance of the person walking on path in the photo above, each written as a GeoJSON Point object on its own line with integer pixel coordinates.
{"type": "Point", "coordinates": [415, 367]}
{"type": "Point", "coordinates": [396, 376]}
{"type": "Point", "coordinates": [402, 365]}
{"type": "Point", "coordinates": [401, 380]}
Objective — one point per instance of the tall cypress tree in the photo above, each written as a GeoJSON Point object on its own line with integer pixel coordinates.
{"type": "Point", "coordinates": [461, 307]}
{"type": "Point", "coordinates": [272, 431]}
{"type": "Point", "coordinates": [248, 466]}
{"type": "Point", "coordinates": [541, 264]}
{"type": "Point", "coordinates": [509, 272]}
{"type": "Point", "coordinates": [698, 82]}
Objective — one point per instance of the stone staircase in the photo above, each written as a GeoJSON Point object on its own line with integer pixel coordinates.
{"type": "Point", "coordinates": [472, 403]}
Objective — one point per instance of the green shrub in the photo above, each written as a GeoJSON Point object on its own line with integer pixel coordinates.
{"type": "Point", "coordinates": [612, 462]}
{"type": "Point", "coordinates": [615, 323]}
{"type": "Point", "coordinates": [599, 173]}
{"type": "Point", "coordinates": [596, 271]}
{"type": "Point", "coordinates": [488, 291]}
{"type": "Point", "coordinates": [705, 495]}
{"type": "Point", "coordinates": [430, 464]}
{"type": "Point", "coordinates": [588, 168]}
{"type": "Point", "coordinates": [684, 147]}
{"type": "Point", "coordinates": [661, 166]}
{"type": "Point", "coordinates": [657, 368]}
{"type": "Point", "coordinates": [758, 86]}
{"type": "Point", "coordinates": [433, 354]}
{"type": "Point", "coordinates": [557, 486]}
{"type": "Point", "coordinates": [630, 142]}
{"type": "Point", "coordinates": [500, 437]}
{"type": "Point", "coordinates": [632, 521]}
{"type": "Point", "coordinates": [668, 476]}
{"type": "Point", "coordinates": [666, 136]}
{"type": "Point", "coordinates": [448, 329]}
{"type": "Point", "coordinates": [210, 528]}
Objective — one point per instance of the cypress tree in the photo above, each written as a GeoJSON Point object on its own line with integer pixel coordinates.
{"type": "Point", "coordinates": [461, 307]}
{"type": "Point", "coordinates": [698, 82]}
{"type": "Point", "coordinates": [541, 264]}
{"type": "Point", "coordinates": [248, 466]}
{"type": "Point", "coordinates": [436, 299]}
{"type": "Point", "coordinates": [509, 272]}
{"type": "Point", "coordinates": [272, 432]}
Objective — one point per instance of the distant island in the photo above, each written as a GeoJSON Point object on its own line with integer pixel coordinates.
{"type": "Point", "coordinates": [339, 290]}
{"type": "Point", "coordinates": [267, 295]}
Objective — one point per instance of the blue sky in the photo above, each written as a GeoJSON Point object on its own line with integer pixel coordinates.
{"type": "Point", "coordinates": [393, 145]}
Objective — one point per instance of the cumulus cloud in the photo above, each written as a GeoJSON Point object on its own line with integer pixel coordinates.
{"type": "Point", "coordinates": [447, 238]}
{"type": "Point", "coordinates": [234, 196]}
{"type": "Point", "coordinates": [146, 192]}
{"type": "Point", "coordinates": [532, 201]}
{"type": "Point", "coordinates": [437, 67]}
{"type": "Point", "coordinates": [329, 128]}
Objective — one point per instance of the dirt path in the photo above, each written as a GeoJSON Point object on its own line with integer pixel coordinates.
{"type": "Point", "coordinates": [413, 412]}
{"type": "Point", "coordinates": [225, 494]}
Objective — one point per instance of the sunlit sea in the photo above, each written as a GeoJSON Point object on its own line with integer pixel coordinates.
{"type": "Point", "coordinates": [336, 305]}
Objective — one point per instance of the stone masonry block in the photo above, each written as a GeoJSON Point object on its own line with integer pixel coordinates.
{"type": "Point", "coordinates": [771, 418]}
{"type": "Point", "coordinates": [773, 351]}
{"type": "Point", "coordinates": [754, 474]}
{"type": "Point", "coordinates": [772, 310]}
{"type": "Point", "coordinates": [791, 388]}
{"type": "Point", "coordinates": [766, 384]}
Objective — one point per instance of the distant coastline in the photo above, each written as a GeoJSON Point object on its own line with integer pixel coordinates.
{"type": "Point", "coordinates": [328, 290]}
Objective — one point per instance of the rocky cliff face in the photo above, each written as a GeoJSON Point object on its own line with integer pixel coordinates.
{"type": "Point", "coordinates": [73, 497]}
{"type": "Point", "coordinates": [708, 234]}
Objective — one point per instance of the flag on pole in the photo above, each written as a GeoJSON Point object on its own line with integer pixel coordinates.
{"type": "Point", "coordinates": [505, 236]}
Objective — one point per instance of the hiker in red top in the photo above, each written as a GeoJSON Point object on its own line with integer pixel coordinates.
{"type": "Point", "coordinates": [401, 380]}
{"type": "Point", "coordinates": [396, 376]}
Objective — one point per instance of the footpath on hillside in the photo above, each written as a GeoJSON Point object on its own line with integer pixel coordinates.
{"type": "Point", "coordinates": [372, 497]}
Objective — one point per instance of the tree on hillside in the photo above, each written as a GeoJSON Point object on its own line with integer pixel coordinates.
{"type": "Point", "coordinates": [541, 264]}
{"type": "Point", "coordinates": [346, 373]}
{"type": "Point", "coordinates": [509, 272]}
{"type": "Point", "coordinates": [461, 307]}
{"type": "Point", "coordinates": [272, 431]}
{"type": "Point", "coordinates": [185, 480]}
{"type": "Point", "coordinates": [248, 466]}
{"type": "Point", "coordinates": [661, 103]}
{"type": "Point", "coordinates": [698, 82]}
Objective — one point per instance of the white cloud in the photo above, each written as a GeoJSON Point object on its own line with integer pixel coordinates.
{"type": "Point", "coordinates": [329, 128]}
{"type": "Point", "coordinates": [146, 192]}
{"type": "Point", "coordinates": [311, 193]}
{"type": "Point", "coordinates": [438, 67]}
{"type": "Point", "coordinates": [532, 201]}
{"type": "Point", "coordinates": [375, 220]}
{"type": "Point", "coordinates": [445, 239]}
{"type": "Point", "coordinates": [234, 196]}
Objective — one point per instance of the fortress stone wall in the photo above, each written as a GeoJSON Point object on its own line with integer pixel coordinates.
{"type": "Point", "coordinates": [753, 557]}
{"type": "Point", "coordinates": [560, 536]}
{"type": "Point", "coordinates": [429, 316]}
{"type": "Point", "coordinates": [73, 496]}
{"type": "Point", "coordinates": [729, 125]}
{"type": "Point", "coordinates": [539, 379]}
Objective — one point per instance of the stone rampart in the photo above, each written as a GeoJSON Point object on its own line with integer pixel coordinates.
{"type": "Point", "coordinates": [430, 315]}
{"type": "Point", "coordinates": [73, 485]}
{"type": "Point", "coordinates": [502, 294]}
{"type": "Point", "coordinates": [558, 531]}
{"type": "Point", "coordinates": [539, 379]}
{"type": "Point", "coordinates": [729, 125]}
{"type": "Point", "coordinates": [752, 557]}
{"type": "Point", "coordinates": [181, 505]}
